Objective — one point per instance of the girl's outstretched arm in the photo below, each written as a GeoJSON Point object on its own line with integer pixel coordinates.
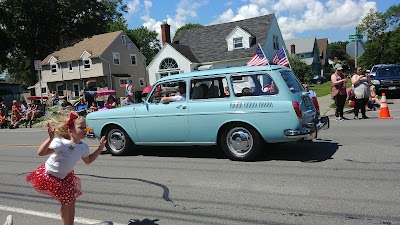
{"type": "Point", "coordinates": [89, 159]}
{"type": "Point", "coordinates": [44, 147]}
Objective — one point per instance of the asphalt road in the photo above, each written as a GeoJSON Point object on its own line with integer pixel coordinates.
{"type": "Point", "coordinates": [349, 175]}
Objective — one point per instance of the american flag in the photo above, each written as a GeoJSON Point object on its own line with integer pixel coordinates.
{"type": "Point", "coordinates": [280, 58]}
{"type": "Point", "coordinates": [258, 59]}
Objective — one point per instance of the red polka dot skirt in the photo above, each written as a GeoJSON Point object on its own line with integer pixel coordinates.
{"type": "Point", "coordinates": [64, 190]}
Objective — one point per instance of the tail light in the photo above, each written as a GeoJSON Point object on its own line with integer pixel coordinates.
{"type": "Point", "coordinates": [315, 101]}
{"type": "Point", "coordinates": [296, 108]}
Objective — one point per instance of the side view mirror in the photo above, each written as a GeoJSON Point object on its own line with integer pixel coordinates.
{"type": "Point", "coordinates": [368, 71]}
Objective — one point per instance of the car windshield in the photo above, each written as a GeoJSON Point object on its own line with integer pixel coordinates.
{"type": "Point", "coordinates": [388, 71]}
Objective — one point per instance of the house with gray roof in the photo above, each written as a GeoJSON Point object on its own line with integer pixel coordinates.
{"type": "Point", "coordinates": [307, 50]}
{"type": "Point", "coordinates": [215, 46]}
{"type": "Point", "coordinates": [107, 61]}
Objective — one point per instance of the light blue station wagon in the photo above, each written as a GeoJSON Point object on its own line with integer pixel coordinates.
{"type": "Point", "coordinates": [238, 109]}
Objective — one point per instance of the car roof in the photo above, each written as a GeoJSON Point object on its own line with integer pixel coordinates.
{"type": "Point", "coordinates": [224, 71]}
{"type": "Point", "coordinates": [388, 66]}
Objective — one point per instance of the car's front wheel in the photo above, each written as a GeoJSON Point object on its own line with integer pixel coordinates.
{"type": "Point", "coordinates": [240, 142]}
{"type": "Point", "coordinates": [118, 141]}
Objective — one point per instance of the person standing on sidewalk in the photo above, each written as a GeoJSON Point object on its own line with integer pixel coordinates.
{"type": "Point", "coordinates": [338, 92]}
{"type": "Point", "coordinates": [362, 91]}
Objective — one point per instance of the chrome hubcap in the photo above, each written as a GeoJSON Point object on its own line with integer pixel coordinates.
{"type": "Point", "coordinates": [239, 141]}
{"type": "Point", "coordinates": [116, 140]}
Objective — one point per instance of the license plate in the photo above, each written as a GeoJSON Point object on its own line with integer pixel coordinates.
{"type": "Point", "coordinates": [392, 88]}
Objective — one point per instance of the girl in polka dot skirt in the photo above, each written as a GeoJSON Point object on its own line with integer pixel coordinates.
{"type": "Point", "coordinates": [56, 176]}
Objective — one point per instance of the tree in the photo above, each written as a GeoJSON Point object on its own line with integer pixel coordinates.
{"type": "Point", "coordinates": [146, 41]}
{"type": "Point", "coordinates": [392, 16]}
{"type": "Point", "coordinates": [186, 27]}
{"type": "Point", "coordinates": [34, 28]}
{"type": "Point", "coordinates": [373, 24]}
{"type": "Point", "coordinates": [338, 49]}
{"type": "Point", "coordinates": [301, 69]}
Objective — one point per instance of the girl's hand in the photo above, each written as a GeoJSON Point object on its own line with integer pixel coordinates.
{"type": "Point", "coordinates": [102, 141]}
{"type": "Point", "coordinates": [50, 130]}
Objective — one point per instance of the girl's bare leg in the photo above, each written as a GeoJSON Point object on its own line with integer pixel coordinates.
{"type": "Point", "coordinates": [68, 213]}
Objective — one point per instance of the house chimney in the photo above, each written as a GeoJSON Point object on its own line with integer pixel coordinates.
{"type": "Point", "coordinates": [292, 49]}
{"type": "Point", "coordinates": [165, 33]}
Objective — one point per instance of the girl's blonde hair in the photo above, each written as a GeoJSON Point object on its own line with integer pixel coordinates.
{"type": "Point", "coordinates": [59, 123]}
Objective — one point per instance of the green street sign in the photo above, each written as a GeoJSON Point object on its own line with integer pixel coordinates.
{"type": "Point", "coordinates": [356, 36]}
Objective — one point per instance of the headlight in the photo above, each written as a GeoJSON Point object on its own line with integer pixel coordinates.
{"type": "Point", "coordinates": [376, 82]}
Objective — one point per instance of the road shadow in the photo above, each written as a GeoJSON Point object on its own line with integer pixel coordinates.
{"type": "Point", "coordinates": [317, 151]}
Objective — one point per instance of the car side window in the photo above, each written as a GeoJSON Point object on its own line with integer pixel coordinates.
{"type": "Point", "coordinates": [208, 88]}
{"type": "Point", "coordinates": [253, 85]}
{"type": "Point", "coordinates": [167, 89]}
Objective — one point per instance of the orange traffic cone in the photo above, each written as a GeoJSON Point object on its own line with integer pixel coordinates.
{"type": "Point", "coordinates": [384, 112]}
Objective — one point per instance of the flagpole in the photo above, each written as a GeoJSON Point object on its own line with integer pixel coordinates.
{"type": "Point", "coordinates": [286, 57]}
{"type": "Point", "coordinates": [264, 54]}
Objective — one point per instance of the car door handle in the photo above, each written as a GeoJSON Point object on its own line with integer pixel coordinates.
{"type": "Point", "coordinates": [181, 107]}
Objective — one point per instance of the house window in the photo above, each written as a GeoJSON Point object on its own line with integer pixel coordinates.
{"type": "Point", "coordinates": [53, 68]}
{"type": "Point", "coordinates": [44, 90]}
{"type": "Point", "coordinates": [116, 58]}
{"type": "Point", "coordinates": [133, 59]}
{"type": "Point", "coordinates": [86, 64]}
{"type": "Point", "coordinates": [238, 42]}
{"type": "Point", "coordinates": [70, 68]}
{"type": "Point", "coordinates": [302, 55]}
{"type": "Point", "coordinates": [275, 41]}
{"type": "Point", "coordinates": [129, 45]}
{"type": "Point", "coordinates": [168, 63]}
{"type": "Point", "coordinates": [142, 82]}
{"type": "Point", "coordinates": [123, 40]}
{"type": "Point", "coordinates": [60, 89]}
{"type": "Point", "coordinates": [124, 81]}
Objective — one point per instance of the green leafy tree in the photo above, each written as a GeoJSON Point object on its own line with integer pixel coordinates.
{"type": "Point", "coordinates": [338, 50]}
{"type": "Point", "coordinates": [186, 27]}
{"type": "Point", "coordinates": [33, 28]}
{"type": "Point", "coordinates": [301, 70]}
{"type": "Point", "coordinates": [392, 16]}
{"type": "Point", "coordinates": [373, 24]}
{"type": "Point", "coordinates": [146, 41]}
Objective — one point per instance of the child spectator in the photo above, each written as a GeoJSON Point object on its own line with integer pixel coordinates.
{"type": "Point", "coordinates": [16, 118]}
{"type": "Point", "coordinates": [3, 120]}
{"type": "Point", "coordinates": [56, 176]}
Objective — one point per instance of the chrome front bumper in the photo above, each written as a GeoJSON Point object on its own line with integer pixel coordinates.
{"type": "Point", "coordinates": [310, 131]}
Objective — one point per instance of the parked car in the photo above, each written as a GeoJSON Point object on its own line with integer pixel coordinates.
{"type": "Point", "coordinates": [319, 79]}
{"type": "Point", "coordinates": [372, 72]}
{"type": "Point", "coordinates": [236, 108]}
{"type": "Point", "coordinates": [387, 79]}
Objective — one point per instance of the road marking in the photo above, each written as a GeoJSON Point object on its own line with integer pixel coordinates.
{"type": "Point", "coordinates": [49, 215]}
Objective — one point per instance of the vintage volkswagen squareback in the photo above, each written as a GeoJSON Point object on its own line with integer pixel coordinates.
{"type": "Point", "coordinates": [238, 109]}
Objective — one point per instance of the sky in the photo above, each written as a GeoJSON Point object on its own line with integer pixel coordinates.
{"type": "Point", "coordinates": [332, 19]}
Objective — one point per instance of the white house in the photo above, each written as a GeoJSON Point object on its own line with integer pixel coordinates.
{"type": "Point", "coordinates": [215, 46]}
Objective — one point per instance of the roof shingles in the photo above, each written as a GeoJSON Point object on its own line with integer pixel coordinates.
{"type": "Point", "coordinates": [95, 45]}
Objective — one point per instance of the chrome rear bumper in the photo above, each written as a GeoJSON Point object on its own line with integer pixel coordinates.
{"type": "Point", "coordinates": [310, 131]}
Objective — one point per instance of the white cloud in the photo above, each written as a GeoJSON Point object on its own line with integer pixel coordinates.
{"type": "Point", "coordinates": [133, 7]}
{"type": "Point", "coordinates": [244, 12]}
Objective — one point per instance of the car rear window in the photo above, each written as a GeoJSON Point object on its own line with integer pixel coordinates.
{"type": "Point", "coordinates": [291, 81]}
{"type": "Point", "coordinates": [253, 85]}
{"type": "Point", "coordinates": [388, 71]}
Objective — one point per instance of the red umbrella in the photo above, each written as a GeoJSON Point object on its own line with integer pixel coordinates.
{"type": "Point", "coordinates": [147, 89]}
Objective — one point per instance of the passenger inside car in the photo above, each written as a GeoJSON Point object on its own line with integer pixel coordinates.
{"type": "Point", "coordinates": [180, 97]}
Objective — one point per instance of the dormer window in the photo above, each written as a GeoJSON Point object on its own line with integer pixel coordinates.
{"type": "Point", "coordinates": [238, 42]}
{"type": "Point", "coordinates": [86, 64]}
{"type": "Point", "coordinates": [239, 39]}
{"type": "Point", "coordinates": [53, 68]}
{"type": "Point", "coordinates": [123, 39]}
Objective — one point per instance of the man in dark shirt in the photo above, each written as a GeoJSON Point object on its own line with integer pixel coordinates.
{"type": "Point", "coordinates": [87, 97]}
{"type": "Point", "coordinates": [65, 103]}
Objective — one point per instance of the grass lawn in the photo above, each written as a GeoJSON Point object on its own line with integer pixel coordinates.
{"type": "Point", "coordinates": [325, 88]}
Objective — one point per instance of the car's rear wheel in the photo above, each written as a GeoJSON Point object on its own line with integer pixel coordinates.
{"type": "Point", "coordinates": [240, 142]}
{"type": "Point", "coordinates": [118, 141]}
